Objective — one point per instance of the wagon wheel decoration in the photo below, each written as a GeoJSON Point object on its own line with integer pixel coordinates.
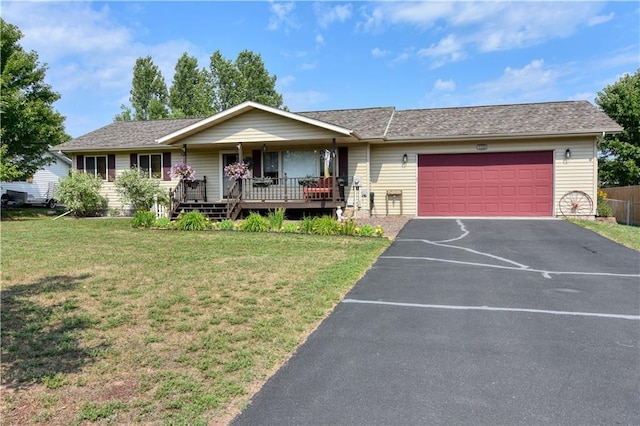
{"type": "Point", "coordinates": [576, 203]}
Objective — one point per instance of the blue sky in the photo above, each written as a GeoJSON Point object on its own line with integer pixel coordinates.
{"type": "Point", "coordinates": [335, 55]}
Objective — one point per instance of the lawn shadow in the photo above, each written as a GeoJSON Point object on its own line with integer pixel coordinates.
{"type": "Point", "coordinates": [41, 341]}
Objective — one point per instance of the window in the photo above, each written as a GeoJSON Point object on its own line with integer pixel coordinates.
{"type": "Point", "coordinates": [271, 164]}
{"type": "Point", "coordinates": [151, 164]}
{"type": "Point", "coordinates": [97, 166]}
{"type": "Point", "coordinates": [297, 164]}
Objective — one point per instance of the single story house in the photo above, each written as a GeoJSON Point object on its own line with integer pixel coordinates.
{"type": "Point", "coordinates": [39, 188]}
{"type": "Point", "coordinates": [503, 160]}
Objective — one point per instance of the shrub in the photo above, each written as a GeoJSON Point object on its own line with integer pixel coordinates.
{"type": "Point", "coordinates": [192, 221]}
{"type": "Point", "coordinates": [603, 207]}
{"type": "Point", "coordinates": [136, 188]}
{"type": "Point", "coordinates": [325, 225]}
{"type": "Point", "coordinates": [290, 228]}
{"type": "Point", "coordinates": [143, 219]}
{"type": "Point", "coordinates": [255, 223]}
{"type": "Point", "coordinates": [276, 218]}
{"type": "Point", "coordinates": [348, 227]}
{"type": "Point", "coordinates": [367, 230]}
{"type": "Point", "coordinates": [80, 192]}
{"type": "Point", "coordinates": [163, 222]}
{"type": "Point", "coordinates": [306, 225]}
{"type": "Point", "coordinates": [226, 225]}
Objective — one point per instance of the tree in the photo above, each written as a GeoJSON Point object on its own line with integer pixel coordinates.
{"type": "Point", "coordinates": [189, 95]}
{"type": "Point", "coordinates": [140, 190]}
{"type": "Point", "coordinates": [148, 91]}
{"type": "Point", "coordinates": [80, 193]}
{"type": "Point", "coordinates": [246, 79]}
{"type": "Point", "coordinates": [29, 123]}
{"type": "Point", "coordinates": [619, 159]}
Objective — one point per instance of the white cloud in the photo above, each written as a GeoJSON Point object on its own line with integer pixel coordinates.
{"type": "Point", "coordinates": [483, 26]}
{"type": "Point", "coordinates": [282, 16]}
{"type": "Point", "coordinates": [449, 49]}
{"type": "Point", "coordinates": [379, 53]}
{"type": "Point", "coordinates": [600, 19]}
{"type": "Point", "coordinates": [531, 83]}
{"type": "Point", "coordinates": [328, 15]}
{"type": "Point", "coordinates": [319, 40]}
{"type": "Point", "coordinates": [285, 81]}
{"type": "Point", "coordinates": [444, 86]}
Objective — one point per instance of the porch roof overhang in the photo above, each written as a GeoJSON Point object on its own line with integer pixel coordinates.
{"type": "Point", "coordinates": [243, 108]}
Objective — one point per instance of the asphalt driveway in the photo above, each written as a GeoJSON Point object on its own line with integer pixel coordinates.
{"type": "Point", "coordinates": [474, 322]}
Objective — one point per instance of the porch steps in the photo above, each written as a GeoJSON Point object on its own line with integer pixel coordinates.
{"type": "Point", "coordinates": [214, 211]}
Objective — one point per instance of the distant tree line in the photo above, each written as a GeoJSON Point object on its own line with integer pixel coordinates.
{"type": "Point", "coordinates": [199, 92]}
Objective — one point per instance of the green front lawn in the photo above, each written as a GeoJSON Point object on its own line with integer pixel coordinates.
{"type": "Point", "coordinates": [626, 235]}
{"type": "Point", "coordinates": [103, 322]}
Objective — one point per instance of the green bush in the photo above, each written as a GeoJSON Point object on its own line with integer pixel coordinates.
{"type": "Point", "coordinates": [163, 222]}
{"type": "Point", "coordinates": [325, 225]}
{"type": "Point", "coordinates": [603, 207]}
{"type": "Point", "coordinates": [367, 230]}
{"type": "Point", "coordinates": [255, 223]}
{"type": "Point", "coordinates": [143, 219]}
{"type": "Point", "coordinates": [348, 227]}
{"type": "Point", "coordinates": [276, 218]}
{"type": "Point", "coordinates": [80, 192]}
{"type": "Point", "coordinates": [136, 188]}
{"type": "Point", "coordinates": [290, 228]}
{"type": "Point", "coordinates": [306, 225]}
{"type": "Point", "coordinates": [192, 221]}
{"type": "Point", "coordinates": [226, 225]}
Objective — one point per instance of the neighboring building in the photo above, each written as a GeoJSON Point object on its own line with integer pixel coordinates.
{"type": "Point", "coordinates": [504, 160]}
{"type": "Point", "coordinates": [40, 188]}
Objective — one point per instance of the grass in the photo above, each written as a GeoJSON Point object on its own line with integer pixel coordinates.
{"type": "Point", "coordinates": [29, 213]}
{"type": "Point", "coordinates": [626, 235]}
{"type": "Point", "coordinates": [109, 324]}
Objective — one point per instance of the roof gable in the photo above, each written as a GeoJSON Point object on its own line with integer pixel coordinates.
{"type": "Point", "coordinates": [237, 122]}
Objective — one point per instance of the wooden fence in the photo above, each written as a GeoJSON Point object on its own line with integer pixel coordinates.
{"type": "Point", "coordinates": [625, 203]}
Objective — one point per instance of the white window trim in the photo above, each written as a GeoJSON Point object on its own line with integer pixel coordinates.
{"type": "Point", "coordinates": [150, 170]}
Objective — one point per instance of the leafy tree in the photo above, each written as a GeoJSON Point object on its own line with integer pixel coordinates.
{"type": "Point", "coordinates": [246, 79]}
{"type": "Point", "coordinates": [29, 124]}
{"type": "Point", "coordinates": [148, 92]}
{"type": "Point", "coordinates": [139, 190]}
{"type": "Point", "coordinates": [189, 95]}
{"type": "Point", "coordinates": [80, 192]}
{"type": "Point", "coordinates": [125, 115]}
{"type": "Point", "coordinates": [619, 160]}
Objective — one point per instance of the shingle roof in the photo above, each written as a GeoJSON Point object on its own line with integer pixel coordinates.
{"type": "Point", "coordinates": [368, 123]}
{"type": "Point", "coordinates": [127, 134]}
{"type": "Point", "coordinates": [504, 120]}
{"type": "Point", "coordinates": [553, 118]}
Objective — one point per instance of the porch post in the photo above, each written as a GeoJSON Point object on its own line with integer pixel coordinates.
{"type": "Point", "coordinates": [239, 146]}
{"type": "Point", "coordinates": [184, 153]}
{"type": "Point", "coordinates": [335, 181]}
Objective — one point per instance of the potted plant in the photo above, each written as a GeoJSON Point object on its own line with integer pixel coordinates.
{"type": "Point", "coordinates": [182, 171]}
{"type": "Point", "coordinates": [236, 171]}
{"type": "Point", "coordinates": [308, 181]}
{"type": "Point", "coordinates": [262, 182]}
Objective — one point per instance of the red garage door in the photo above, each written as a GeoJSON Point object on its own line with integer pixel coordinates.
{"type": "Point", "coordinates": [491, 184]}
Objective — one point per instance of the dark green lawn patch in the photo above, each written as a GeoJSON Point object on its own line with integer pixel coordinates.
{"type": "Point", "coordinates": [105, 323]}
{"type": "Point", "coordinates": [626, 235]}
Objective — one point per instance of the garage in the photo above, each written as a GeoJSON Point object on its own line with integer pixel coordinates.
{"type": "Point", "coordinates": [486, 184]}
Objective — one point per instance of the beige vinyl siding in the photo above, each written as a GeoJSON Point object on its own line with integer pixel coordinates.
{"type": "Point", "coordinates": [388, 173]}
{"type": "Point", "coordinates": [205, 162]}
{"type": "Point", "coordinates": [358, 166]}
{"type": "Point", "coordinates": [258, 126]}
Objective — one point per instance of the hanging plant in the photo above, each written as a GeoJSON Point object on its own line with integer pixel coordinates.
{"type": "Point", "coordinates": [239, 170]}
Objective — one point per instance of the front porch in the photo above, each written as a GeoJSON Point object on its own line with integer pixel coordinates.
{"type": "Point", "coordinates": [309, 195]}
